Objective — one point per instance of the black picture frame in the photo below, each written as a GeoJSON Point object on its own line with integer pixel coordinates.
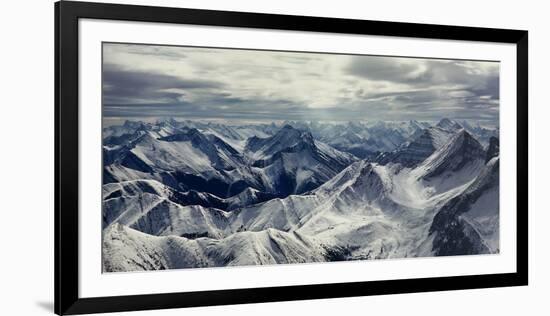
{"type": "Point", "coordinates": [67, 15]}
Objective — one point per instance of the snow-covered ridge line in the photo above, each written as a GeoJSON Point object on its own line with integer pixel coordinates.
{"type": "Point", "coordinates": [193, 194]}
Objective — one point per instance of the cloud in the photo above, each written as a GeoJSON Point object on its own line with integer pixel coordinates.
{"type": "Point", "coordinates": [490, 88]}
{"type": "Point", "coordinates": [132, 86]}
{"type": "Point", "coordinates": [426, 73]}
{"type": "Point", "coordinates": [148, 80]}
{"type": "Point", "coordinates": [172, 53]}
{"type": "Point", "coordinates": [427, 88]}
{"type": "Point", "coordinates": [384, 69]}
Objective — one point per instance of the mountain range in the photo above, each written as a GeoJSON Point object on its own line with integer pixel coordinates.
{"type": "Point", "coordinates": [188, 194]}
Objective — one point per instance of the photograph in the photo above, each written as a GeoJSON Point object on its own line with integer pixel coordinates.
{"type": "Point", "coordinates": [218, 157]}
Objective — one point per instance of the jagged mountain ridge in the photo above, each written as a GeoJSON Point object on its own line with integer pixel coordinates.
{"type": "Point", "coordinates": [412, 153]}
{"type": "Point", "coordinates": [367, 210]}
{"type": "Point", "coordinates": [190, 160]}
{"type": "Point", "coordinates": [468, 224]}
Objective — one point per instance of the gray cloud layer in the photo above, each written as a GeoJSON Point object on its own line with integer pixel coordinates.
{"type": "Point", "coordinates": [158, 81]}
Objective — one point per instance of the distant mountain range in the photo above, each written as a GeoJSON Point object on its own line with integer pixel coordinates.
{"type": "Point", "coordinates": [183, 194]}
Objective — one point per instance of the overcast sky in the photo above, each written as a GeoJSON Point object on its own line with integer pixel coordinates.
{"type": "Point", "coordinates": [160, 81]}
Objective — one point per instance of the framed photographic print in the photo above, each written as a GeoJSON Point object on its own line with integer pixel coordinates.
{"type": "Point", "coordinates": [208, 157]}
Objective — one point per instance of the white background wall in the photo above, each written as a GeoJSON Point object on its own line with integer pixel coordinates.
{"type": "Point", "coordinates": [26, 156]}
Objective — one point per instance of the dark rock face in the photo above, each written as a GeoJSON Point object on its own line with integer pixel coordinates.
{"type": "Point", "coordinates": [131, 161]}
{"type": "Point", "coordinates": [493, 149]}
{"type": "Point", "coordinates": [118, 140]}
{"type": "Point", "coordinates": [108, 177]}
{"type": "Point", "coordinates": [452, 234]}
{"type": "Point", "coordinates": [414, 152]}
{"type": "Point", "coordinates": [192, 135]}
{"type": "Point", "coordinates": [197, 198]}
{"type": "Point", "coordinates": [218, 187]}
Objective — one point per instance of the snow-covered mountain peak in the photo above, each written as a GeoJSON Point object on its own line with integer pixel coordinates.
{"type": "Point", "coordinates": [462, 149]}
{"type": "Point", "coordinates": [247, 193]}
{"type": "Point", "coordinates": [167, 120]}
{"type": "Point", "coordinates": [342, 179]}
{"type": "Point", "coordinates": [133, 124]}
{"type": "Point", "coordinates": [180, 194]}
{"type": "Point", "coordinates": [412, 153]}
{"type": "Point", "coordinates": [192, 135]}
{"type": "Point", "coordinates": [355, 127]}
{"type": "Point", "coordinates": [362, 181]}
{"type": "Point", "coordinates": [290, 135]}
{"type": "Point", "coordinates": [286, 137]}
{"type": "Point", "coordinates": [463, 143]}
{"type": "Point", "coordinates": [295, 162]}
{"type": "Point", "coordinates": [449, 125]}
